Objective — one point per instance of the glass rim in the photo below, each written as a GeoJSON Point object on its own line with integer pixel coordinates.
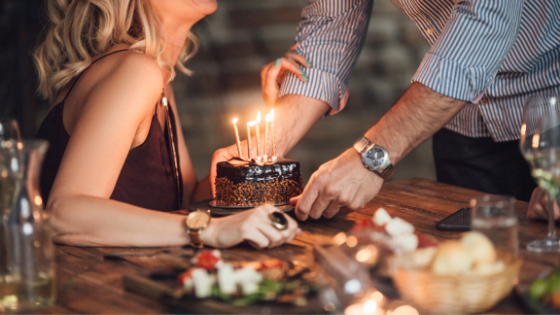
{"type": "Point", "coordinates": [23, 144]}
{"type": "Point", "coordinates": [491, 199]}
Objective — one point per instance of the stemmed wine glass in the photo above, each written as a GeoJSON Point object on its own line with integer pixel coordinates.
{"type": "Point", "coordinates": [540, 145]}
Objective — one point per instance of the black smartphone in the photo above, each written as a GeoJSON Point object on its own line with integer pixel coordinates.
{"type": "Point", "coordinates": [458, 221]}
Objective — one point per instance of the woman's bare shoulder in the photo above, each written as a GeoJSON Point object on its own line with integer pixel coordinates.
{"type": "Point", "coordinates": [133, 78]}
{"type": "Point", "coordinates": [135, 67]}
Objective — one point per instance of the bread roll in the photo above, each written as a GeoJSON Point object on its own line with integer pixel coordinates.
{"type": "Point", "coordinates": [480, 247]}
{"type": "Point", "coordinates": [452, 259]}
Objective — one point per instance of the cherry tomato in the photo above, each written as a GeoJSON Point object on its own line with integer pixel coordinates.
{"type": "Point", "coordinates": [207, 260]}
{"type": "Point", "coordinates": [185, 275]}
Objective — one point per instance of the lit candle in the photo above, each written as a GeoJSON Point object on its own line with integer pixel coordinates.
{"type": "Point", "coordinates": [256, 123]}
{"type": "Point", "coordinates": [267, 121]}
{"type": "Point", "coordinates": [249, 140]}
{"type": "Point", "coordinates": [272, 134]}
{"type": "Point", "coordinates": [234, 122]}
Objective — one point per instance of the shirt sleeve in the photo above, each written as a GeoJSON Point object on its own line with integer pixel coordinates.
{"type": "Point", "coordinates": [331, 36]}
{"type": "Point", "coordinates": [465, 59]}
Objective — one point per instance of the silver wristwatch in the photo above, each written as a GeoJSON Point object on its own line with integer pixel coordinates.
{"type": "Point", "coordinates": [375, 158]}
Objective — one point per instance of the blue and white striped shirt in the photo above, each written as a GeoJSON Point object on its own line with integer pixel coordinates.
{"type": "Point", "coordinates": [490, 53]}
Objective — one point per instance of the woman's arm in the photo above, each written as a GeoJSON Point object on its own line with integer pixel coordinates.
{"type": "Point", "coordinates": [104, 130]}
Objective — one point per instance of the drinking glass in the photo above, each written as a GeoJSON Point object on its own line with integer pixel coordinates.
{"type": "Point", "coordinates": [26, 249]}
{"type": "Point", "coordinates": [540, 145]}
{"type": "Point", "coordinates": [495, 217]}
{"type": "Point", "coordinates": [9, 130]}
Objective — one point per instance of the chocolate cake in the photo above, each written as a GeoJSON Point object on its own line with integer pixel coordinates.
{"type": "Point", "coordinates": [243, 183]}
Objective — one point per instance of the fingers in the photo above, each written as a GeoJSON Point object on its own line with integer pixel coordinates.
{"type": "Point", "coordinates": [299, 59]}
{"type": "Point", "coordinates": [260, 233]}
{"type": "Point", "coordinates": [258, 240]}
{"type": "Point", "coordinates": [320, 204]}
{"type": "Point", "coordinates": [296, 45]}
{"type": "Point", "coordinates": [307, 198]}
{"type": "Point", "coordinates": [538, 205]}
{"type": "Point", "coordinates": [295, 200]}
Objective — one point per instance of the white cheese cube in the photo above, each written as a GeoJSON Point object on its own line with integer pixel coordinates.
{"type": "Point", "coordinates": [406, 243]}
{"type": "Point", "coordinates": [381, 217]}
{"type": "Point", "coordinates": [202, 283]}
{"type": "Point", "coordinates": [398, 226]}
{"type": "Point", "coordinates": [226, 279]}
{"type": "Point", "coordinates": [249, 287]}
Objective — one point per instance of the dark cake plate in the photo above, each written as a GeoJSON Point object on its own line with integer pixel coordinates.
{"type": "Point", "coordinates": [225, 211]}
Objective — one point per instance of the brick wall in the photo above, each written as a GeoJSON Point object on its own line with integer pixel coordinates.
{"type": "Point", "coordinates": [244, 35]}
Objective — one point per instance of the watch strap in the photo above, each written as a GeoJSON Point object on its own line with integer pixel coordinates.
{"type": "Point", "coordinates": [195, 238]}
{"type": "Point", "coordinates": [387, 172]}
{"type": "Point", "coordinates": [362, 145]}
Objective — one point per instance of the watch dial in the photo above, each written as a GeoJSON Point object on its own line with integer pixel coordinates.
{"type": "Point", "coordinates": [376, 156]}
{"type": "Point", "coordinates": [197, 220]}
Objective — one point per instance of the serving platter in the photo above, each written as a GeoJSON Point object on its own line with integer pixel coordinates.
{"type": "Point", "coordinates": [221, 211]}
{"type": "Point", "coordinates": [163, 287]}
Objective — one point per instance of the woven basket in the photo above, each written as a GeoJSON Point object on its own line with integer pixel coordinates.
{"type": "Point", "coordinates": [455, 294]}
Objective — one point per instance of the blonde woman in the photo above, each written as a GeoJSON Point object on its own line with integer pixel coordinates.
{"type": "Point", "coordinates": [117, 161]}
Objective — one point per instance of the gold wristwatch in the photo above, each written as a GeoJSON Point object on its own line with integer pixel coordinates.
{"type": "Point", "coordinates": [196, 222]}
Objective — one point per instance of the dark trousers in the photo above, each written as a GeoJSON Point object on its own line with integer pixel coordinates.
{"type": "Point", "coordinates": [482, 164]}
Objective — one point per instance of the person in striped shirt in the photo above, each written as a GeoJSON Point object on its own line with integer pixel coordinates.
{"type": "Point", "coordinates": [487, 57]}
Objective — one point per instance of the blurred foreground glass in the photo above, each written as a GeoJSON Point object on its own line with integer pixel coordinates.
{"type": "Point", "coordinates": [9, 130]}
{"type": "Point", "coordinates": [495, 217]}
{"type": "Point", "coordinates": [540, 145]}
{"type": "Point", "coordinates": [26, 250]}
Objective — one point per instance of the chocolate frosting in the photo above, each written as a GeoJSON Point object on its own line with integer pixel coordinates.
{"type": "Point", "coordinates": [243, 171]}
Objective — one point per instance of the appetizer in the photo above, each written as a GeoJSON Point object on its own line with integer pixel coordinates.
{"type": "Point", "coordinates": [547, 290]}
{"type": "Point", "coordinates": [244, 283]}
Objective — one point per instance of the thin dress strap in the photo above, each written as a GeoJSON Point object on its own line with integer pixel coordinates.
{"type": "Point", "coordinates": [80, 75]}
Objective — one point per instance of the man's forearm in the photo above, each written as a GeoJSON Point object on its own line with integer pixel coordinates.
{"type": "Point", "coordinates": [418, 114]}
{"type": "Point", "coordinates": [294, 116]}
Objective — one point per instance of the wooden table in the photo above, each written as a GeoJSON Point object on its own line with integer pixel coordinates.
{"type": "Point", "coordinates": [88, 282]}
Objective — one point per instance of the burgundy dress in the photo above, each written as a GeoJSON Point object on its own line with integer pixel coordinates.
{"type": "Point", "coordinates": [146, 180]}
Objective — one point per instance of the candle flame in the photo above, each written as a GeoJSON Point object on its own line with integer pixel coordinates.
{"type": "Point", "coordinates": [234, 121]}
{"type": "Point", "coordinates": [267, 118]}
{"type": "Point", "coordinates": [256, 121]}
{"type": "Point", "coordinates": [272, 115]}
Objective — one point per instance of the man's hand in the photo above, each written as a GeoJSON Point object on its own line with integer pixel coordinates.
{"type": "Point", "coordinates": [342, 182]}
{"type": "Point", "coordinates": [539, 204]}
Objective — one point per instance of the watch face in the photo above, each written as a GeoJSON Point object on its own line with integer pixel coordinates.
{"type": "Point", "coordinates": [376, 156]}
{"type": "Point", "coordinates": [198, 220]}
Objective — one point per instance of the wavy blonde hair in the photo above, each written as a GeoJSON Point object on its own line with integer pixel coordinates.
{"type": "Point", "coordinates": [78, 30]}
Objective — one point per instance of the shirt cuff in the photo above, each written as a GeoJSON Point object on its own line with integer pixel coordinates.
{"type": "Point", "coordinates": [451, 79]}
{"type": "Point", "coordinates": [321, 85]}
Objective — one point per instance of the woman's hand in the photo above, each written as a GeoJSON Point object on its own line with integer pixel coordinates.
{"type": "Point", "coordinates": [538, 205]}
{"type": "Point", "coordinates": [273, 73]}
{"type": "Point", "coordinates": [253, 226]}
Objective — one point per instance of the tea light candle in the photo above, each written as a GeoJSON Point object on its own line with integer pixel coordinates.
{"type": "Point", "coordinates": [234, 122]}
